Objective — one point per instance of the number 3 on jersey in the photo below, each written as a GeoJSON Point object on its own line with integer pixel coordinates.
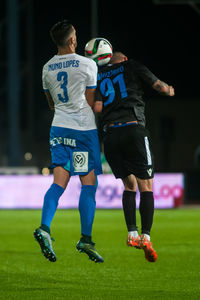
{"type": "Point", "coordinates": [107, 88]}
{"type": "Point", "coordinates": [63, 78]}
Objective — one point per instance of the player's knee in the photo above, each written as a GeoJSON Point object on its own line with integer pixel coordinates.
{"type": "Point", "coordinates": [145, 185]}
{"type": "Point", "coordinates": [89, 179]}
{"type": "Point", "coordinates": [130, 186]}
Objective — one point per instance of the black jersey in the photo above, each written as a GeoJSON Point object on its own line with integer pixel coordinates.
{"type": "Point", "coordinates": [120, 89]}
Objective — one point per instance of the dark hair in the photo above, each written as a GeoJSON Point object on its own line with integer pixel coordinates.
{"type": "Point", "coordinates": [60, 33]}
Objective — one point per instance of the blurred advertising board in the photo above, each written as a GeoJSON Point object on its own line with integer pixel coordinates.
{"type": "Point", "coordinates": [27, 191]}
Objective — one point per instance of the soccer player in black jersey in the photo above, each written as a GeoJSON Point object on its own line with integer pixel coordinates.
{"type": "Point", "coordinates": [127, 146]}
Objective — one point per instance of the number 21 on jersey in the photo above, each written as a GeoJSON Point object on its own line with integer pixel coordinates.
{"type": "Point", "coordinates": [63, 78]}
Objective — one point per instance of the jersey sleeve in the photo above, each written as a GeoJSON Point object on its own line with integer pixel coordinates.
{"type": "Point", "coordinates": [145, 74]}
{"type": "Point", "coordinates": [91, 82]}
{"type": "Point", "coordinates": [44, 83]}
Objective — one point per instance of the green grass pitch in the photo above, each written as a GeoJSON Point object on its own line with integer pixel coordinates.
{"type": "Point", "coordinates": [125, 274]}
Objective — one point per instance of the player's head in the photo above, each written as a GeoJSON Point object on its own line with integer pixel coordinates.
{"type": "Point", "coordinates": [117, 58]}
{"type": "Point", "coordinates": [63, 34]}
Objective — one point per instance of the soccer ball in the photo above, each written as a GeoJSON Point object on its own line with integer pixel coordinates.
{"type": "Point", "coordinates": [100, 50]}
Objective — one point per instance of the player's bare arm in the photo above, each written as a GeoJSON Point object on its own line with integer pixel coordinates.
{"type": "Point", "coordinates": [89, 94]}
{"type": "Point", "coordinates": [163, 88]}
{"type": "Point", "coordinates": [50, 101]}
{"type": "Point", "coordinates": [98, 106]}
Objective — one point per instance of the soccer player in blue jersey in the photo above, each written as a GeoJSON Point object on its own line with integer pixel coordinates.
{"type": "Point", "coordinates": [69, 82]}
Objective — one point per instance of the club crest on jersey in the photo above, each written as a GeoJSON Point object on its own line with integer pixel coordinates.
{"type": "Point", "coordinates": [80, 161]}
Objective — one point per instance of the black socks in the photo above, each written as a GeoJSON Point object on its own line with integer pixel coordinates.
{"type": "Point", "coordinates": [146, 209]}
{"type": "Point", "coordinates": [129, 207]}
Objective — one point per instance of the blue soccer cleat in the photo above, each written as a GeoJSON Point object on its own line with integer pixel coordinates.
{"type": "Point", "coordinates": [90, 250]}
{"type": "Point", "coordinates": [45, 241]}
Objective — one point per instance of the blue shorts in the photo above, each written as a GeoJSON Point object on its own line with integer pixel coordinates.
{"type": "Point", "coordinates": [76, 151]}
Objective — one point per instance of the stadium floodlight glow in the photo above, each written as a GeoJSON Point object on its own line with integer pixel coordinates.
{"type": "Point", "coordinates": [192, 3]}
{"type": "Point", "coordinates": [28, 156]}
{"type": "Point", "coordinates": [45, 171]}
{"type": "Point", "coordinates": [176, 1]}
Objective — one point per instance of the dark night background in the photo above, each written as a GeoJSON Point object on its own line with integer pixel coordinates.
{"type": "Point", "coordinates": [164, 37]}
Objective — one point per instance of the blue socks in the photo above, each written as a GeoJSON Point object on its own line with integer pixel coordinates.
{"type": "Point", "coordinates": [50, 205]}
{"type": "Point", "coordinates": [87, 206]}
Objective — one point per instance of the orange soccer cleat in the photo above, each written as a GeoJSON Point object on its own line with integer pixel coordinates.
{"type": "Point", "coordinates": [146, 245]}
{"type": "Point", "coordinates": [133, 242]}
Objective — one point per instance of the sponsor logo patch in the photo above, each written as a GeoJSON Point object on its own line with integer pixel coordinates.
{"type": "Point", "coordinates": [80, 161]}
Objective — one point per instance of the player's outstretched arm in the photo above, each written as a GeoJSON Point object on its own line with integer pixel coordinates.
{"type": "Point", "coordinates": [163, 88]}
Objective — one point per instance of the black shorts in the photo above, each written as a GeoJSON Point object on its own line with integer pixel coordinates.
{"type": "Point", "coordinates": [128, 151]}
